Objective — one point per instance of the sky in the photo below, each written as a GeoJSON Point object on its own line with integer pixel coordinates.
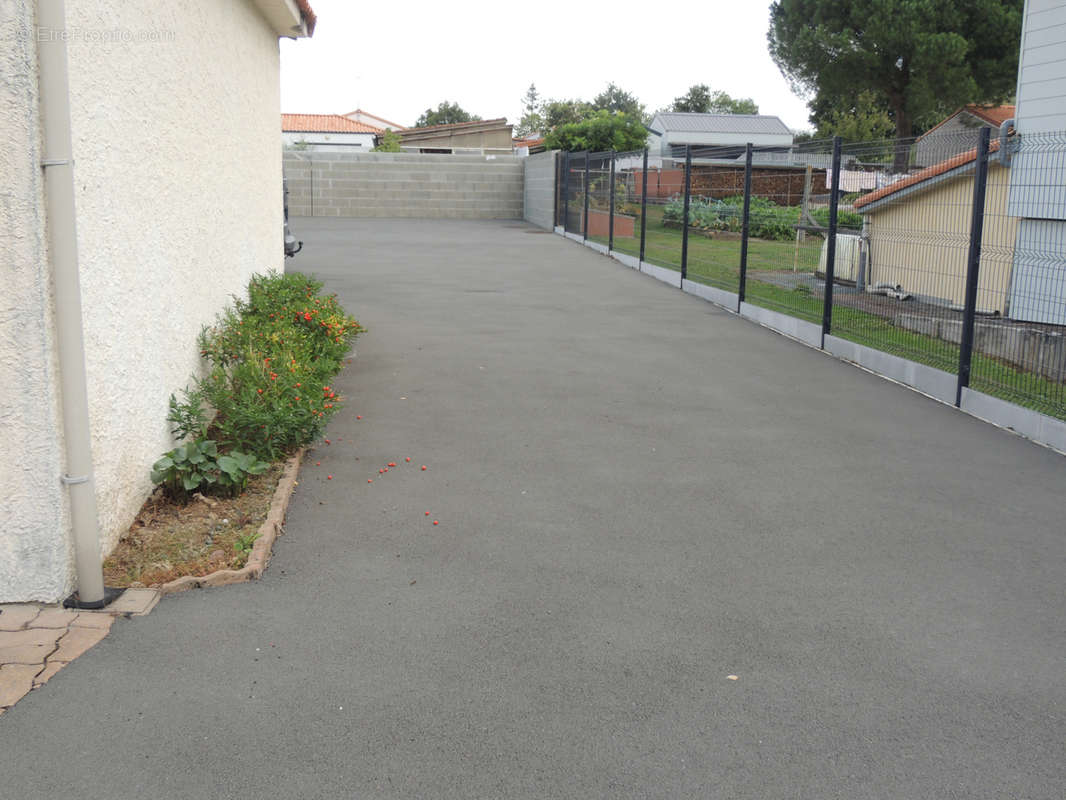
{"type": "Point", "coordinates": [396, 61]}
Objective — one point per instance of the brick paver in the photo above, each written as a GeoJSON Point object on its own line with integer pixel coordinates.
{"type": "Point", "coordinates": [36, 641]}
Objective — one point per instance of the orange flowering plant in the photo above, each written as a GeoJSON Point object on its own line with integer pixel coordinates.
{"type": "Point", "coordinates": [271, 360]}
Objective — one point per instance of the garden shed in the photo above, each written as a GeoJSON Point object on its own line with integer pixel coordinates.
{"type": "Point", "coordinates": [916, 232]}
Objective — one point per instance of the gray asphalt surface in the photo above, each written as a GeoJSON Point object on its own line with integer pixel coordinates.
{"type": "Point", "coordinates": [639, 495]}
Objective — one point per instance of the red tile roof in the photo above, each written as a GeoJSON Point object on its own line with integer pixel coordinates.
{"type": "Point", "coordinates": [996, 115]}
{"type": "Point", "coordinates": [993, 115]}
{"type": "Point", "coordinates": [947, 165]}
{"type": "Point", "coordinates": [528, 142]}
{"type": "Point", "coordinates": [308, 15]}
{"type": "Point", "coordinates": [324, 123]}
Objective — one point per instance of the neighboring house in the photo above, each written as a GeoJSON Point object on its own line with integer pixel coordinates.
{"type": "Point", "coordinates": [327, 132]}
{"type": "Point", "coordinates": [1038, 168]}
{"type": "Point", "coordinates": [913, 229]}
{"type": "Point", "coordinates": [175, 168]}
{"type": "Point", "coordinates": [488, 137]}
{"type": "Point", "coordinates": [914, 225]}
{"type": "Point", "coordinates": [372, 120]}
{"type": "Point", "coordinates": [958, 132]}
{"type": "Point", "coordinates": [670, 132]}
{"type": "Point", "coordinates": [528, 146]}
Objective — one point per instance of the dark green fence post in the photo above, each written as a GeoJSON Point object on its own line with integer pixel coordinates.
{"type": "Point", "coordinates": [743, 283]}
{"type": "Point", "coordinates": [684, 218]}
{"type": "Point", "coordinates": [566, 191]}
{"type": "Point", "coordinates": [585, 227]}
{"type": "Point", "coordinates": [610, 211]}
{"type": "Point", "coordinates": [644, 203]}
{"type": "Point", "coordinates": [973, 262]}
{"type": "Point", "coordinates": [831, 243]}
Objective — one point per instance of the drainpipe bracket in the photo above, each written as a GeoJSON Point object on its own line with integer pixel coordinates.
{"type": "Point", "coordinates": [56, 162]}
{"type": "Point", "coordinates": [69, 481]}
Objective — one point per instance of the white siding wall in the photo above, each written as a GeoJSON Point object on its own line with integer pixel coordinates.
{"type": "Point", "coordinates": [1042, 68]}
{"type": "Point", "coordinates": [1038, 170]}
{"type": "Point", "coordinates": [178, 193]}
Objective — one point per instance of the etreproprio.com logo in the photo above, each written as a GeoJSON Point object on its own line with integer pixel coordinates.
{"type": "Point", "coordinates": [75, 35]}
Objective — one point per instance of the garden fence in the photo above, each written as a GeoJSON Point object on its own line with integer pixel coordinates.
{"type": "Point", "coordinates": [948, 250]}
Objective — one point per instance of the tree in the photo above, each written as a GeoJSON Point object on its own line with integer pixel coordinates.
{"type": "Point", "coordinates": [913, 55]}
{"type": "Point", "coordinates": [860, 121]}
{"type": "Point", "coordinates": [390, 143]}
{"type": "Point", "coordinates": [615, 99]}
{"type": "Point", "coordinates": [700, 99]}
{"type": "Point", "coordinates": [445, 114]}
{"type": "Point", "coordinates": [532, 121]}
{"type": "Point", "coordinates": [563, 112]}
{"type": "Point", "coordinates": [603, 131]}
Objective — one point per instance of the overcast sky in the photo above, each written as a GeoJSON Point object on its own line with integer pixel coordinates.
{"type": "Point", "coordinates": [397, 59]}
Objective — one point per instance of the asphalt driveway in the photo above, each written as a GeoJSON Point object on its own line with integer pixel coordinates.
{"type": "Point", "coordinates": [677, 556]}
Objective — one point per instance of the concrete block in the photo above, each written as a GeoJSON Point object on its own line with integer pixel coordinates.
{"type": "Point", "coordinates": [803, 330]}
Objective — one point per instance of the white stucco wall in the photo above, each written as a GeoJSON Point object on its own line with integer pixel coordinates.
{"type": "Point", "coordinates": [178, 191]}
{"type": "Point", "coordinates": [35, 554]}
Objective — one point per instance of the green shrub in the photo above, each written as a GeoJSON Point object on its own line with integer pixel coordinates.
{"type": "Point", "coordinates": [196, 466]}
{"type": "Point", "coordinates": [766, 219]}
{"type": "Point", "coordinates": [271, 360]}
{"type": "Point", "coordinates": [273, 357]}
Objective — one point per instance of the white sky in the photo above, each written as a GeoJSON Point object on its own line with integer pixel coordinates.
{"type": "Point", "coordinates": [397, 59]}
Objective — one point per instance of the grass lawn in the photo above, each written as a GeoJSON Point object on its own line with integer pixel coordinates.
{"type": "Point", "coordinates": [717, 262]}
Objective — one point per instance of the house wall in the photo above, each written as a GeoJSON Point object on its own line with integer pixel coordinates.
{"type": "Point", "coordinates": [498, 140]}
{"type": "Point", "coordinates": [364, 141]}
{"type": "Point", "coordinates": [921, 242]}
{"type": "Point", "coordinates": [538, 193]}
{"type": "Point", "coordinates": [34, 554]}
{"type": "Point", "coordinates": [177, 175]}
{"type": "Point", "coordinates": [417, 185]}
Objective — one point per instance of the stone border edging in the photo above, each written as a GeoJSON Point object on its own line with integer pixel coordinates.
{"type": "Point", "coordinates": [264, 543]}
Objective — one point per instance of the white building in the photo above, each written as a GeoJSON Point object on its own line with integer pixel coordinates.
{"type": "Point", "coordinates": [1038, 168]}
{"type": "Point", "coordinates": [161, 201]}
{"type": "Point", "coordinates": [327, 132]}
{"type": "Point", "coordinates": [373, 120]}
{"type": "Point", "coordinates": [671, 131]}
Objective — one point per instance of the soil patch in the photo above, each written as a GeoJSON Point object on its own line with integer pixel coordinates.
{"type": "Point", "coordinates": [169, 539]}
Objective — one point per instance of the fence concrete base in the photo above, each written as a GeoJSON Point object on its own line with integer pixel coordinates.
{"type": "Point", "coordinates": [720, 297]}
{"type": "Point", "coordinates": [623, 258]}
{"type": "Point", "coordinates": [661, 274]}
{"type": "Point", "coordinates": [1031, 424]}
{"type": "Point", "coordinates": [933, 382]}
{"type": "Point", "coordinates": [599, 248]}
{"type": "Point", "coordinates": [806, 332]}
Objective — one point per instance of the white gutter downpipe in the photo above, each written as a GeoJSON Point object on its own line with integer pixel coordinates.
{"type": "Point", "coordinates": [63, 244]}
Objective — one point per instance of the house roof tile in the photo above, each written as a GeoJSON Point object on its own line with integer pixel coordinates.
{"type": "Point", "coordinates": [324, 123]}
{"type": "Point", "coordinates": [945, 166]}
{"type": "Point", "coordinates": [308, 15]}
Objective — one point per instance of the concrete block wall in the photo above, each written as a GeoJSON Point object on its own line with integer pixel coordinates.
{"type": "Point", "coordinates": [416, 185]}
{"type": "Point", "coordinates": [539, 193]}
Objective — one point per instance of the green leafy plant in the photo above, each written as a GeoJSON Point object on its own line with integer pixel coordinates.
{"type": "Point", "coordinates": [235, 468]}
{"type": "Point", "coordinates": [187, 468]}
{"type": "Point", "coordinates": [244, 544]}
{"type": "Point", "coordinates": [766, 220]}
{"type": "Point", "coordinates": [187, 418]}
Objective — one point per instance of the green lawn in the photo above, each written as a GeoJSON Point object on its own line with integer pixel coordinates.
{"type": "Point", "coordinates": [716, 262]}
